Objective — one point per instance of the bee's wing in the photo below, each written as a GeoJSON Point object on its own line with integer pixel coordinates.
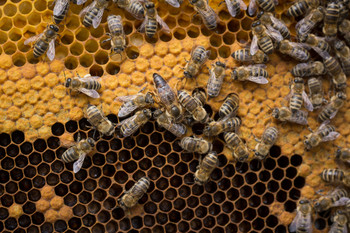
{"type": "Point", "coordinates": [293, 225]}
{"type": "Point", "coordinates": [163, 24]}
{"type": "Point", "coordinates": [257, 65]}
{"type": "Point", "coordinates": [125, 98]}
{"type": "Point", "coordinates": [254, 45]}
{"type": "Point", "coordinates": [308, 223]}
{"type": "Point", "coordinates": [334, 228]}
{"type": "Point", "coordinates": [296, 117]}
{"type": "Point", "coordinates": [33, 39]}
{"type": "Point", "coordinates": [80, 2]}
{"type": "Point", "coordinates": [126, 110]}
{"type": "Point", "coordinates": [307, 102]}
{"type": "Point", "coordinates": [51, 50]}
{"type": "Point", "coordinates": [341, 202]}
{"type": "Point", "coordinates": [258, 79]}
{"type": "Point", "coordinates": [79, 163]}
{"type": "Point", "coordinates": [142, 27]}
{"type": "Point", "coordinates": [60, 6]}
{"type": "Point", "coordinates": [278, 22]}
{"type": "Point", "coordinates": [231, 9]}
{"type": "Point", "coordinates": [97, 20]}
{"type": "Point", "coordinates": [89, 92]}
{"type": "Point", "coordinates": [88, 8]}
{"type": "Point", "coordinates": [273, 33]}
{"type": "Point", "coordinates": [252, 7]}
{"type": "Point", "coordinates": [331, 136]}
{"type": "Point", "coordinates": [173, 3]}
{"type": "Point", "coordinates": [129, 130]}
{"type": "Point", "coordinates": [243, 5]}
{"type": "Point", "coordinates": [88, 77]}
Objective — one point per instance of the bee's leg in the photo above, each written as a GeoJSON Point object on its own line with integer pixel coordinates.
{"type": "Point", "coordinates": [310, 129]}
{"type": "Point", "coordinates": [79, 137]}
{"type": "Point", "coordinates": [221, 3]}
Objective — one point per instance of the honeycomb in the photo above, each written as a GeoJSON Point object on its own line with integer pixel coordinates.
{"type": "Point", "coordinates": [37, 116]}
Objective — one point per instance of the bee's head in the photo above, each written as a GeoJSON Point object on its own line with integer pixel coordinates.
{"type": "Point", "coordinates": [338, 153]}
{"type": "Point", "coordinates": [261, 13]}
{"type": "Point", "coordinates": [298, 80]}
{"type": "Point", "coordinates": [218, 63]}
{"type": "Point", "coordinates": [276, 113]}
{"type": "Point", "coordinates": [341, 95]}
{"type": "Point", "coordinates": [234, 75]}
{"type": "Point", "coordinates": [149, 5]}
{"type": "Point", "coordinates": [188, 74]}
{"type": "Point", "coordinates": [91, 142]}
{"type": "Point", "coordinates": [147, 113]}
{"type": "Point", "coordinates": [68, 82]}
{"type": "Point", "coordinates": [157, 113]}
{"type": "Point", "coordinates": [303, 201]}
{"type": "Point", "coordinates": [54, 27]}
{"type": "Point", "coordinates": [338, 44]}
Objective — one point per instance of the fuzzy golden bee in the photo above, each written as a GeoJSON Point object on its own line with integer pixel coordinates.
{"type": "Point", "coordinates": [234, 7]}
{"type": "Point", "coordinates": [323, 134]}
{"type": "Point", "coordinates": [116, 34]}
{"type": "Point", "coordinates": [342, 51]}
{"type": "Point", "coordinates": [244, 55]}
{"type": "Point", "coordinates": [93, 13]}
{"type": "Point", "coordinates": [343, 154]}
{"type": "Point", "coordinates": [301, 7]}
{"type": "Point", "coordinates": [199, 56]}
{"type": "Point", "coordinates": [253, 73]}
{"type": "Point", "coordinates": [205, 168]}
{"type": "Point", "coordinates": [303, 219]}
{"type": "Point", "coordinates": [294, 50]}
{"type": "Point", "coordinates": [310, 21]}
{"type": "Point", "coordinates": [298, 96]}
{"type": "Point", "coordinates": [129, 126]}
{"type": "Point", "coordinates": [316, 43]}
{"type": "Point", "coordinates": [226, 124]}
{"type": "Point", "coordinates": [312, 68]}
{"type": "Point", "coordinates": [99, 121]}
{"type": "Point", "coordinates": [328, 201]}
{"type": "Point", "coordinates": [262, 38]}
{"type": "Point", "coordinates": [329, 111]}
{"type": "Point", "coordinates": [265, 5]}
{"type": "Point", "coordinates": [264, 145]}
{"type": "Point", "coordinates": [331, 18]}
{"type": "Point", "coordinates": [230, 106]}
{"type": "Point", "coordinates": [198, 145]}
{"type": "Point", "coordinates": [134, 194]}
{"type": "Point", "coordinates": [60, 10]}
{"type": "Point", "coordinates": [216, 78]}
{"type": "Point", "coordinates": [134, 7]}
{"type": "Point", "coordinates": [316, 92]}
{"type": "Point", "coordinates": [178, 129]}
{"type": "Point", "coordinates": [209, 17]}
{"type": "Point", "coordinates": [87, 85]}
{"type": "Point", "coordinates": [285, 114]}
{"type": "Point", "coordinates": [272, 24]}
{"type": "Point", "coordinates": [239, 149]}
{"type": "Point", "coordinates": [344, 29]}
{"type": "Point", "coordinates": [335, 176]}
{"type": "Point", "coordinates": [200, 95]}
{"type": "Point", "coordinates": [340, 222]}
{"type": "Point", "coordinates": [193, 106]}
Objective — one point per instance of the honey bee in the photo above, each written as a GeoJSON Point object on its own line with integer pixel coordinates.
{"type": "Point", "coordinates": [266, 5]}
{"type": "Point", "coordinates": [230, 106]}
{"type": "Point", "coordinates": [116, 34]}
{"type": "Point", "coordinates": [216, 78]}
{"type": "Point", "coordinates": [87, 85]}
{"type": "Point", "coordinates": [99, 121]}
{"type": "Point", "coordinates": [200, 95]}
{"type": "Point", "coordinates": [93, 13]}
{"type": "Point", "coordinates": [344, 30]}
{"type": "Point", "coordinates": [226, 124]}
{"type": "Point", "coordinates": [166, 122]}
{"type": "Point", "coordinates": [323, 134]}
{"type": "Point", "coordinates": [331, 64]}
{"type": "Point", "coordinates": [340, 221]}
{"type": "Point", "coordinates": [134, 7]}
{"type": "Point", "coordinates": [298, 96]}
{"type": "Point", "coordinates": [316, 43]}
{"type": "Point", "coordinates": [198, 145]}
{"type": "Point", "coordinates": [167, 97]}
{"type": "Point", "coordinates": [78, 152]}
{"type": "Point", "coordinates": [133, 102]}
{"type": "Point", "coordinates": [244, 55]}
{"type": "Point", "coordinates": [234, 7]}
{"type": "Point", "coordinates": [150, 24]}
{"type": "Point", "coordinates": [343, 53]}
{"type": "Point", "coordinates": [308, 69]}
{"type": "Point", "coordinates": [302, 221]}
{"type": "Point", "coordinates": [44, 42]}
{"type": "Point", "coordinates": [238, 147]}
{"type": "Point", "coordinates": [343, 154]}
{"type": "Point", "coordinates": [131, 124]}
{"type": "Point", "coordinates": [285, 114]}
{"type": "Point", "coordinates": [253, 73]}
{"type": "Point", "coordinates": [316, 92]}
{"type": "Point", "coordinates": [209, 17]}
{"type": "Point", "coordinates": [343, 10]}
{"type": "Point", "coordinates": [205, 168]}
{"type": "Point", "coordinates": [193, 106]}
{"type": "Point", "coordinates": [199, 56]}
{"type": "Point", "coordinates": [134, 194]}
{"type": "Point", "coordinates": [262, 38]}
{"type": "Point", "coordinates": [331, 17]}
{"type": "Point", "coordinates": [301, 7]}
{"type": "Point", "coordinates": [60, 10]}
{"type": "Point", "coordinates": [174, 3]}
{"type": "Point", "coordinates": [330, 110]}
{"type": "Point", "coordinates": [305, 26]}
{"type": "Point", "coordinates": [264, 145]}
{"type": "Point", "coordinates": [335, 176]}
{"type": "Point", "coordinates": [326, 202]}
{"type": "Point", "coordinates": [272, 24]}
{"type": "Point", "coordinates": [295, 50]}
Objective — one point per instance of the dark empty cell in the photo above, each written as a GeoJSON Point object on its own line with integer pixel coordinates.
{"type": "Point", "coordinates": [148, 128]}
{"type": "Point", "coordinates": [227, 207]}
{"type": "Point", "coordinates": [3, 213]}
{"type": "Point", "coordinates": [268, 198]}
{"type": "Point", "coordinates": [189, 178]}
{"type": "Point", "coordinates": [61, 190]}
{"type": "Point", "coordinates": [286, 184]}
{"type": "Point", "coordinates": [187, 214]}
{"type": "Point", "coordinates": [169, 137]}
{"type": "Point", "coordinates": [145, 164]}
{"type": "Point", "coordinates": [25, 184]}
{"type": "Point", "coordinates": [103, 216]}
{"type": "Point", "coordinates": [53, 142]}
{"type": "Point", "coordinates": [264, 175]}
{"type": "Point", "coordinates": [112, 227]}
{"type": "Point", "coordinates": [111, 157]}
{"type": "Point", "coordinates": [94, 207]}
{"type": "Point", "coordinates": [104, 183]}
{"type": "Point", "coordinates": [320, 224]}
{"type": "Point", "coordinates": [164, 148]}
{"type": "Point", "coordinates": [231, 228]}
{"type": "Point", "coordinates": [118, 213]}
{"type": "Point", "coordinates": [115, 190]}
{"type": "Point", "coordinates": [275, 151]}
{"type": "Point", "coordinates": [165, 206]}
{"type": "Point", "coordinates": [57, 129]}
{"type": "Point", "coordinates": [157, 196]}
{"type": "Point", "coordinates": [184, 191]}
{"type": "Point", "coordinates": [170, 194]}
{"type": "Point", "coordinates": [30, 171]}
{"type": "Point", "coordinates": [206, 199]}
{"type": "Point", "coordinates": [43, 169]}
{"type": "Point", "coordinates": [85, 197]}
{"type": "Point", "coordinates": [255, 165]}
{"type": "Point", "coordinates": [82, 174]}
{"type": "Point", "coordinates": [84, 124]}
{"type": "Point", "coordinates": [66, 177]}
{"type": "Point", "coordinates": [229, 170]}
{"type": "Point", "coordinates": [192, 202]}
{"type": "Point", "coordinates": [216, 174]}
{"type": "Point", "coordinates": [290, 206]}
{"type": "Point", "coordinates": [170, 228]}
{"type": "Point", "coordinates": [167, 171]}
{"type": "Point", "coordinates": [241, 204]}
{"type": "Point", "coordinates": [214, 209]}
{"type": "Point", "coordinates": [258, 224]}
{"type": "Point", "coordinates": [173, 158]}
{"type": "Point", "coordinates": [156, 138]}
{"type": "Point", "coordinates": [52, 179]}
{"type": "Point", "coordinates": [49, 156]}
{"type": "Point", "coordinates": [136, 222]}
{"type": "Point", "coordinates": [138, 175]}
{"type": "Point", "coordinates": [251, 178]}
{"type": "Point", "coordinates": [222, 219]}
{"type": "Point", "coordinates": [60, 225]}
{"type": "Point", "coordinates": [2, 153]}
{"type": "Point", "coordinates": [137, 153]}
{"type": "Point", "coordinates": [38, 218]}
{"type": "Point", "coordinates": [254, 201]}
{"type": "Point", "coordinates": [102, 146]}
{"type": "Point", "coordinates": [249, 214]}
{"type": "Point", "coordinates": [109, 203]}
{"type": "Point", "coordinates": [35, 158]}
{"type": "Point", "coordinates": [11, 223]}
{"type": "Point", "coordinates": [219, 197]}
{"type": "Point", "coordinates": [269, 164]}
{"type": "Point", "coordinates": [38, 181]}
{"type": "Point", "coordinates": [89, 220]}
{"type": "Point", "coordinates": [176, 146]}
{"type": "Point", "coordinates": [283, 161]}
{"type": "Point", "coordinates": [57, 166]}
{"type": "Point", "coordinates": [95, 172]}
{"type": "Point", "coordinates": [291, 172]}
{"type": "Point", "coordinates": [21, 161]}
{"type": "Point", "coordinates": [186, 157]}
{"type": "Point", "coordinates": [263, 211]}
{"type": "Point", "coordinates": [183, 226]}
{"type": "Point", "coordinates": [197, 128]}
{"type": "Point", "coordinates": [12, 150]}
{"type": "Point", "coordinates": [115, 144]}
{"type": "Point", "coordinates": [222, 159]}
{"type": "Point", "coordinates": [246, 191]}
{"type": "Point", "coordinates": [150, 207]}
{"type": "Point", "coordinates": [278, 174]}
{"type": "Point", "coordinates": [74, 223]}
{"type": "Point", "coordinates": [232, 194]}
{"type": "Point", "coordinates": [71, 126]}
{"type": "Point", "coordinates": [98, 159]}
{"type": "Point", "coordinates": [128, 142]}
{"type": "Point", "coordinates": [299, 182]}
{"type": "Point", "coordinates": [237, 181]}
{"type": "Point", "coordinates": [124, 224]}
{"type": "Point", "coordinates": [29, 208]}
{"type": "Point", "coordinates": [79, 210]}
{"type": "Point", "coordinates": [296, 160]}
{"type": "Point", "coordinates": [26, 148]}
{"type": "Point", "coordinates": [175, 181]}
{"type": "Point", "coordinates": [209, 221]}
{"type": "Point", "coordinates": [201, 211]}
{"type": "Point", "coordinates": [20, 197]}
{"type": "Point", "coordinates": [179, 204]}
{"type": "Point", "coordinates": [40, 145]}
{"type": "Point", "coordinates": [4, 175]}
{"type": "Point", "coordinates": [7, 163]}
{"type": "Point", "coordinates": [76, 187]}
{"type": "Point", "coordinates": [34, 195]}
{"type": "Point", "coordinates": [162, 218]}
{"type": "Point", "coordinates": [294, 194]}
{"type": "Point", "coordinates": [280, 229]}
{"type": "Point", "coordinates": [272, 186]}
{"type": "Point", "coordinates": [124, 155]}
{"type": "Point", "coordinates": [130, 166]}
{"type": "Point", "coordinates": [236, 217]}
{"type": "Point", "coordinates": [2, 190]}
{"type": "Point", "coordinates": [196, 224]}
{"type": "Point", "coordinates": [24, 220]}
{"type": "Point", "coordinates": [100, 195]}
{"type": "Point", "coordinates": [181, 168]}
{"type": "Point", "coordinates": [271, 221]}
{"type": "Point", "coordinates": [5, 139]}
{"type": "Point", "coordinates": [113, 118]}
{"type": "Point", "coordinates": [244, 226]}
{"type": "Point", "coordinates": [33, 229]}
{"type": "Point", "coordinates": [142, 140]}
{"type": "Point", "coordinates": [159, 161]}
{"type": "Point", "coordinates": [60, 151]}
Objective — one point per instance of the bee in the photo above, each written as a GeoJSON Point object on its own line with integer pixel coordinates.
{"type": "Point", "coordinates": [343, 10]}
{"type": "Point", "coordinates": [234, 7]}
{"type": "Point", "coordinates": [266, 5]}
{"type": "Point", "coordinates": [344, 30]}
{"type": "Point", "coordinates": [174, 3]}
{"type": "Point", "coordinates": [331, 17]}
{"type": "Point", "coordinates": [166, 122]}
{"type": "Point", "coordinates": [93, 13]}
{"type": "Point", "coordinates": [340, 221]}
{"type": "Point", "coordinates": [343, 53]}
{"type": "Point", "coordinates": [78, 152]}
{"type": "Point", "coordinates": [238, 147]}
{"type": "Point", "coordinates": [198, 145]}
{"type": "Point", "coordinates": [323, 134]}
{"type": "Point", "coordinates": [331, 64]}
{"type": "Point", "coordinates": [226, 124]}
{"type": "Point", "coordinates": [209, 17]}
{"type": "Point", "coordinates": [60, 10]}
{"type": "Point", "coordinates": [330, 110]}
{"type": "Point", "coordinates": [295, 50]}
{"type": "Point", "coordinates": [116, 34]}
{"type": "Point", "coordinates": [216, 78]}
{"type": "Point", "coordinates": [134, 194]}
{"type": "Point", "coordinates": [272, 24]}
{"type": "Point", "coordinates": [301, 7]}
{"type": "Point", "coordinates": [99, 121]}
{"type": "Point", "coordinates": [44, 42]}
{"type": "Point", "coordinates": [199, 56]}
{"type": "Point", "coordinates": [316, 92]}
{"type": "Point", "coordinates": [285, 114]}
{"type": "Point", "coordinates": [262, 38]}
{"type": "Point", "coordinates": [264, 145]}
{"type": "Point", "coordinates": [343, 154]}
{"type": "Point", "coordinates": [131, 124]}
{"type": "Point", "coordinates": [200, 95]}
{"type": "Point", "coordinates": [316, 43]}
{"type": "Point", "coordinates": [308, 69]}
{"type": "Point", "coordinates": [307, 24]}
{"type": "Point", "coordinates": [134, 102]}
{"type": "Point", "coordinates": [302, 221]}
{"type": "Point", "coordinates": [326, 202]}
{"type": "Point", "coordinates": [134, 7]}
{"type": "Point", "coordinates": [87, 85]}
{"type": "Point", "coordinates": [244, 55]}
{"type": "Point", "coordinates": [150, 24]}
{"type": "Point", "coordinates": [230, 105]}
{"type": "Point", "coordinates": [335, 176]}
{"type": "Point", "coordinates": [167, 97]}
{"type": "Point", "coordinates": [205, 168]}
{"type": "Point", "coordinates": [253, 73]}
{"type": "Point", "coordinates": [298, 96]}
{"type": "Point", "coordinates": [193, 106]}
